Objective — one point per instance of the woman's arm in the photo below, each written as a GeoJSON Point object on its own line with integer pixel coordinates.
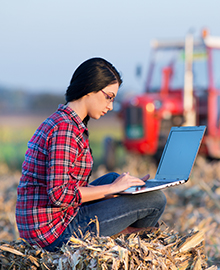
{"type": "Point", "coordinates": [69, 164]}
{"type": "Point", "coordinates": [121, 183]}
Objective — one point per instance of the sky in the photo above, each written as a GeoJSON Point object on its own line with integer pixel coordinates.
{"type": "Point", "coordinates": [43, 41]}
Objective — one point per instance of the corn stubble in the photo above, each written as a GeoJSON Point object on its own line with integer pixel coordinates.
{"type": "Point", "coordinates": [161, 249]}
{"type": "Point", "coordinates": [188, 238]}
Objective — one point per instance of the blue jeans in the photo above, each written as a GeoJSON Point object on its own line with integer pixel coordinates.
{"type": "Point", "coordinates": [114, 214]}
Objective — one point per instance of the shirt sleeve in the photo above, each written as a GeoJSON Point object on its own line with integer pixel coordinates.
{"type": "Point", "coordinates": [62, 180]}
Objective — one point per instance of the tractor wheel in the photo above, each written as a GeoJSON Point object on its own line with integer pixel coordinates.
{"type": "Point", "coordinates": [109, 153]}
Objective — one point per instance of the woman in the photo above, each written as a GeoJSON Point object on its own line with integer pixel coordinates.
{"type": "Point", "coordinates": [54, 198]}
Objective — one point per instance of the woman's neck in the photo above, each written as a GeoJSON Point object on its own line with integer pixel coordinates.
{"type": "Point", "coordinates": [79, 107]}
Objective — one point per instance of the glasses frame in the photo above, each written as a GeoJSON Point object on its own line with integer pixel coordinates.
{"type": "Point", "coordinates": [108, 98]}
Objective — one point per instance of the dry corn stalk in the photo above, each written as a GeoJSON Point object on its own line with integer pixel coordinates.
{"type": "Point", "coordinates": [162, 249]}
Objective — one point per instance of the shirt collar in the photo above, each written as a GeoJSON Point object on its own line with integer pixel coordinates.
{"type": "Point", "coordinates": [74, 116]}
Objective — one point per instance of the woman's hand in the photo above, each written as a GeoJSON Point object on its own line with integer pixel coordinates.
{"type": "Point", "coordinates": [125, 180]}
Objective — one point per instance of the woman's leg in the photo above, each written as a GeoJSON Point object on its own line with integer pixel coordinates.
{"type": "Point", "coordinates": [115, 214]}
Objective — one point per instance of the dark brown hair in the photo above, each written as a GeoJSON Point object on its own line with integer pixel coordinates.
{"type": "Point", "coordinates": [91, 76]}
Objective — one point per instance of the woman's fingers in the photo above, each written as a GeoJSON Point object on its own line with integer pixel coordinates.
{"type": "Point", "coordinates": [146, 177]}
{"type": "Point", "coordinates": [136, 181]}
{"type": "Point", "coordinates": [125, 180]}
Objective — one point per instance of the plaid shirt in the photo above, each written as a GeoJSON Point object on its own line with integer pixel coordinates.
{"type": "Point", "coordinates": [57, 162]}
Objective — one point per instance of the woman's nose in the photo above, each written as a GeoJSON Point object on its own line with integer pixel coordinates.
{"type": "Point", "coordinates": [110, 106]}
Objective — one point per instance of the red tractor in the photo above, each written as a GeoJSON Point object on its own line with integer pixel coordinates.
{"type": "Point", "coordinates": [182, 88]}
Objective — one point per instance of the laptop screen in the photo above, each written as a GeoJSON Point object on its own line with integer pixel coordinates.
{"type": "Point", "coordinates": [180, 152]}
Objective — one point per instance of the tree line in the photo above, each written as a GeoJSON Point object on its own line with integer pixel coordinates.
{"type": "Point", "coordinates": [23, 102]}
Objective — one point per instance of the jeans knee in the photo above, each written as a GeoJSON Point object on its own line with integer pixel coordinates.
{"type": "Point", "coordinates": [105, 179]}
{"type": "Point", "coordinates": [162, 200]}
{"type": "Point", "coordinates": [114, 175]}
{"type": "Point", "coordinates": [157, 199]}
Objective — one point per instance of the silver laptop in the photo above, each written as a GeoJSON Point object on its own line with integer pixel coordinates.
{"type": "Point", "coordinates": [177, 159]}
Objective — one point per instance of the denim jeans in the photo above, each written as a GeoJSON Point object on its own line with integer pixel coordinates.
{"type": "Point", "coordinates": [114, 214]}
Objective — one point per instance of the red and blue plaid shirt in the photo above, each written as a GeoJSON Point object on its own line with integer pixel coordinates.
{"type": "Point", "coordinates": [57, 162]}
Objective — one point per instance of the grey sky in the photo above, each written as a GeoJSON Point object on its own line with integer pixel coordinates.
{"type": "Point", "coordinates": [42, 42]}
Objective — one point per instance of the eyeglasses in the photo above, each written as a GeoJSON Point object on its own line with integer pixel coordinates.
{"type": "Point", "coordinates": [108, 98]}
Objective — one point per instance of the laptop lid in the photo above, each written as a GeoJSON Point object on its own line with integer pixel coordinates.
{"type": "Point", "coordinates": [179, 153]}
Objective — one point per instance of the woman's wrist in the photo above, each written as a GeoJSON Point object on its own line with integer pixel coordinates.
{"type": "Point", "coordinates": [110, 189]}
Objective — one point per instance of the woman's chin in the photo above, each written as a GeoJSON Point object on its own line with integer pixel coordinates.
{"type": "Point", "coordinates": [95, 117]}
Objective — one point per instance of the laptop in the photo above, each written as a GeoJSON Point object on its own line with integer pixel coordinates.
{"type": "Point", "coordinates": [177, 159]}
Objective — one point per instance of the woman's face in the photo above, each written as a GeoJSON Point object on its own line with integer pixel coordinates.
{"type": "Point", "coordinates": [99, 103]}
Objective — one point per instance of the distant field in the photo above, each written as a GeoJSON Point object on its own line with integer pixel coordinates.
{"type": "Point", "coordinates": [15, 132]}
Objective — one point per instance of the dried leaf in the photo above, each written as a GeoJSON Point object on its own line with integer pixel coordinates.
{"type": "Point", "coordinates": [197, 265]}
{"type": "Point", "coordinates": [191, 242]}
{"type": "Point", "coordinates": [12, 250]}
